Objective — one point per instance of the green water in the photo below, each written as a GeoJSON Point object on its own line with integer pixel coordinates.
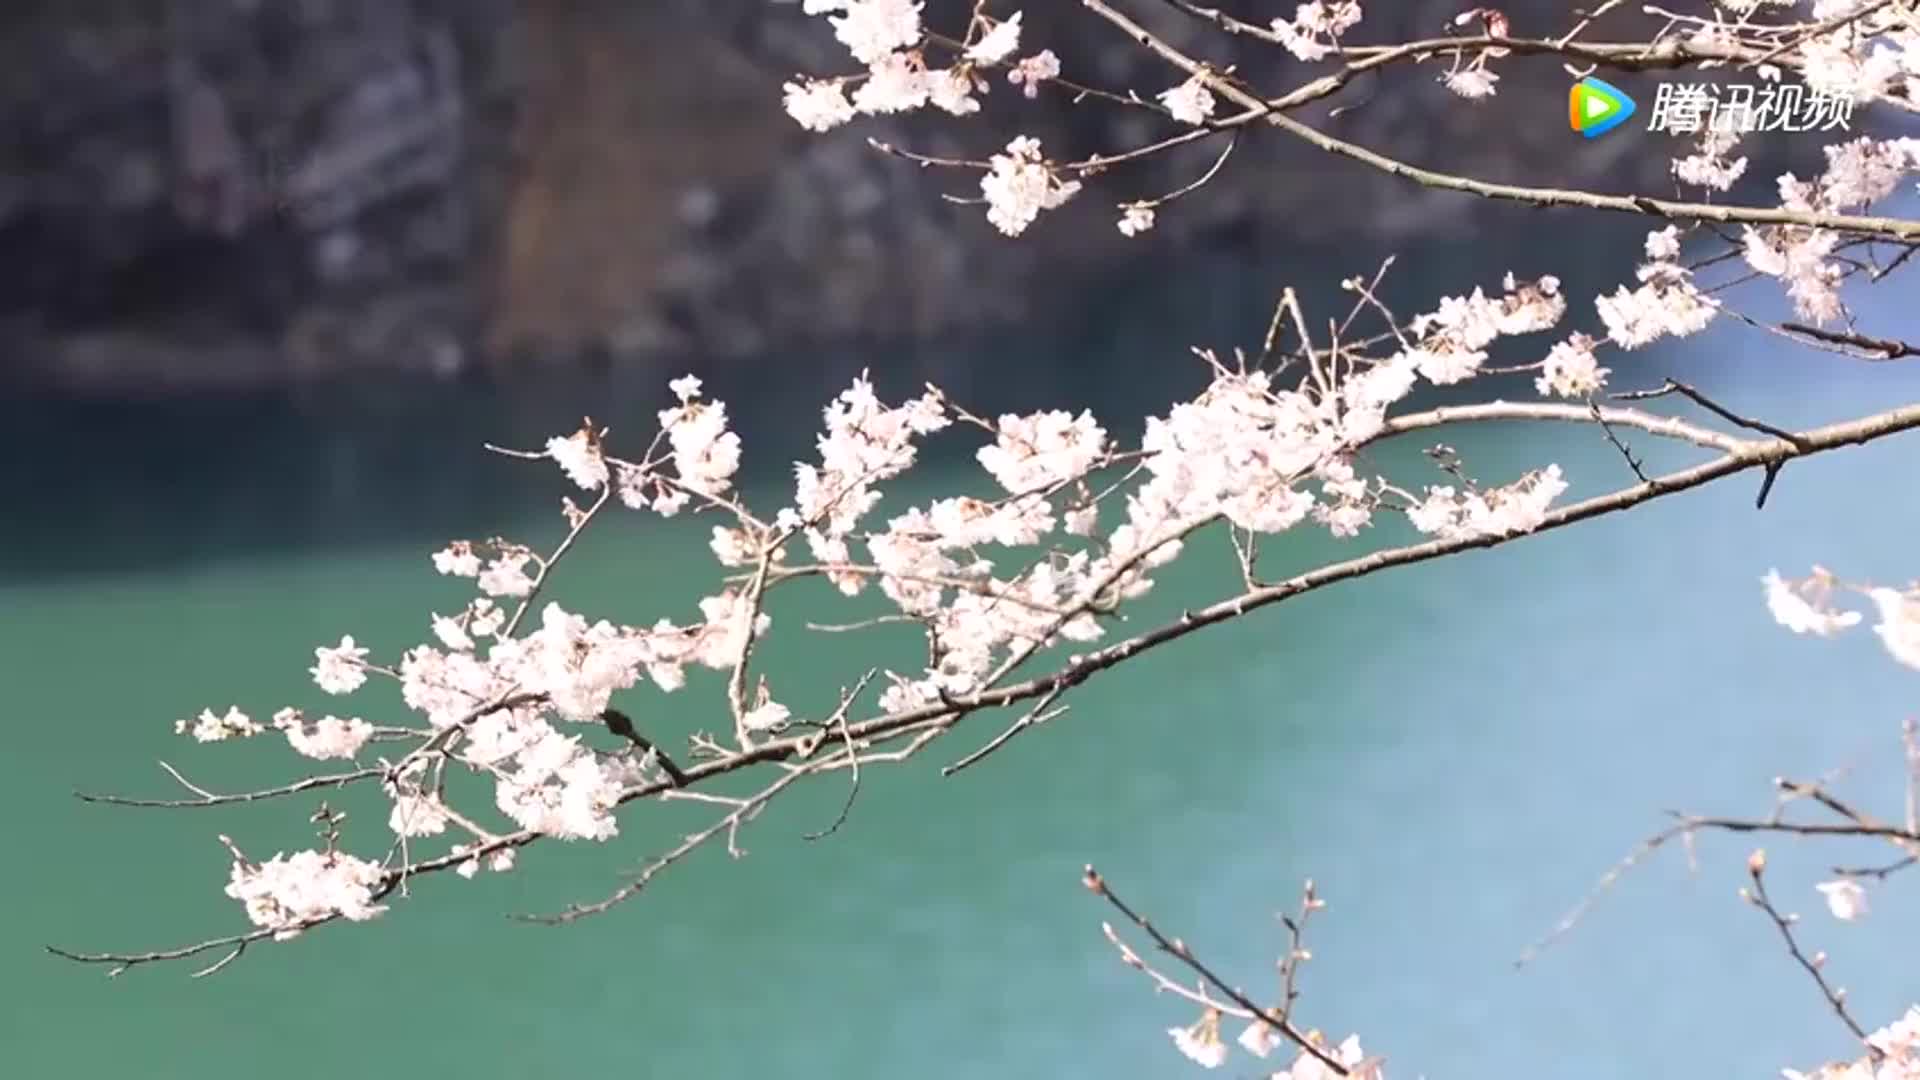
{"type": "Point", "coordinates": [1454, 751]}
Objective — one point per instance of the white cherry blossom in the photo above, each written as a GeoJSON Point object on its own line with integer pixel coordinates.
{"type": "Point", "coordinates": [340, 669]}
{"type": "Point", "coordinates": [818, 104]}
{"type": "Point", "coordinates": [997, 44]}
{"type": "Point", "coordinates": [1034, 70]}
{"type": "Point", "coordinates": [1845, 898]}
{"type": "Point", "coordinates": [1190, 102]}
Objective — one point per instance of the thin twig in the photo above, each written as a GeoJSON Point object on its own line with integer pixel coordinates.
{"type": "Point", "coordinates": [208, 798]}
{"type": "Point", "coordinates": [1873, 348]}
{"type": "Point", "coordinates": [1757, 868]}
{"type": "Point", "coordinates": [1178, 950]}
{"type": "Point", "coordinates": [839, 717]}
{"type": "Point", "coordinates": [1033, 717]}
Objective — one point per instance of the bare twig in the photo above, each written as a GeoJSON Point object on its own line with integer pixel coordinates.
{"type": "Point", "coordinates": [1714, 407]}
{"type": "Point", "coordinates": [1033, 717]}
{"type": "Point", "coordinates": [1633, 463]}
{"type": "Point", "coordinates": [1567, 922]}
{"type": "Point", "coordinates": [209, 798]}
{"type": "Point", "coordinates": [1757, 869]}
{"type": "Point", "coordinates": [1870, 348]}
{"type": "Point", "coordinates": [1178, 950]}
{"type": "Point", "coordinates": [839, 719]}
{"type": "Point", "coordinates": [121, 962]}
{"type": "Point", "coordinates": [725, 825]}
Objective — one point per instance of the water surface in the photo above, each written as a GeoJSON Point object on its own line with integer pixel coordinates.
{"type": "Point", "coordinates": [1454, 751]}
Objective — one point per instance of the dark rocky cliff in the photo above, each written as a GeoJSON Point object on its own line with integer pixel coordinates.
{"type": "Point", "coordinates": [204, 193]}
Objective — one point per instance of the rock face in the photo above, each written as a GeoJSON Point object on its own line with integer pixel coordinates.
{"type": "Point", "coordinates": [205, 193]}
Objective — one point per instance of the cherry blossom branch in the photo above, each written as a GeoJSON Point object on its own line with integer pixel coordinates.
{"type": "Point", "coordinates": [839, 720]}
{"type": "Point", "coordinates": [576, 526]}
{"type": "Point", "coordinates": [1821, 29]}
{"type": "Point", "coordinates": [737, 678]}
{"type": "Point", "coordinates": [1296, 948]}
{"type": "Point", "coordinates": [209, 798]}
{"type": "Point", "coordinates": [1669, 427]}
{"type": "Point", "coordinates": [1634, 464]}
{"type": "Point", "coordinates": [727, 824]}
{"type": "Point", "coordinates": [1892, 833]}
{"type": "Point", "coordinates": [1890, 228]}
{"type": "Point", "coordinates": [1665, 53]}
{"type": "Point", "coordinates": [1178, 949]}
{"type": "Point", "coordinates": [1757, 896]}
{"type": "Point", "coordinates": [1721, 411]}
{"type": "Point", "coordinates": [923, 722]}
{"type": "Point", "coordinates": [1033, 717]}
{"type": "Point", "coordinates": [1166, 983]}
{"type": "Point", "coordinates": [1689, 825]}
{"type": "Point", "coordinates": [1852, 823]}
{"type": "Point", "coordinates": [1868, 348]}
{"type": "Point", "coordinates": [119, 963]}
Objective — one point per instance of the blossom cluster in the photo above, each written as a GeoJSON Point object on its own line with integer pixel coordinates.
{"type": "Point", "coordinates": [1873, 53]}
{"type": "Point", "coordinates": [1315, 29]}
{"type": "Point", "coordinates": [1895, 1055]}
{"type": "Point", "coordinates": [289, 892]}
{"type": "Point", "coordinates": [1667, 303]}
{"type": "Point", "coordinates": [1859, 173]}
{"type": "Point", "coordinates": [888, 38]}
{"type": "Point", "coordinates": [504, 685]}
{"type": "Point", "coordinates": [1806, 607]}
{"type": "Point", "coordinates": [1202, 1043]}
{"type": "Point", "coordinates": [1020, 182]}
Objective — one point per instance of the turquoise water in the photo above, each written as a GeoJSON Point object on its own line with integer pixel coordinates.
{"type": "Point", "coordinates": [1454, 751]}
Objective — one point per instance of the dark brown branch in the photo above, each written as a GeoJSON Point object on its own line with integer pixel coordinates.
{"type": "Point", "coordinates": [1881, 872]}
{"type": "Point", "coordinates": [208, 798]}
{"type": "Point", "coordinates": [1757, 868]}
{"type": "Point", "coordinates": [1857, 825]}
{"type": "Point", "coordinates": [1714, 407]}
{"type": "Point", "coordinates": [122, 961]}
{"type": "Point", "coordinates": [622, 725]}
{"type": "Point", "coordinates": [839, 719]}
{"type": "Point", "coordinates": [1033, 717]}
{"type": "Point", "coordinates": [1633, 463]}
{"type": "Point", "coordinates": [1874, 348]}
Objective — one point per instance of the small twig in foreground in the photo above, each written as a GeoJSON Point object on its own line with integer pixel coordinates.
{"type": "Point", "coordinates": [1757, 896]}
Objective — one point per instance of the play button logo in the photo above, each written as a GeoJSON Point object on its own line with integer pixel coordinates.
{"type": "Point", "coordinates": [1595, 107]}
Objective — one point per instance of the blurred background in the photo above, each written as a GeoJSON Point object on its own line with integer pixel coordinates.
{"type": "Point", "coordinates": [277, 269]}
{"type": "Point", "coordinates": [224, 194]}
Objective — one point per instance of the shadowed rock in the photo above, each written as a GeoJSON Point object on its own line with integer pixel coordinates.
{"type": "Point", "coordinates": [242, 192]}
